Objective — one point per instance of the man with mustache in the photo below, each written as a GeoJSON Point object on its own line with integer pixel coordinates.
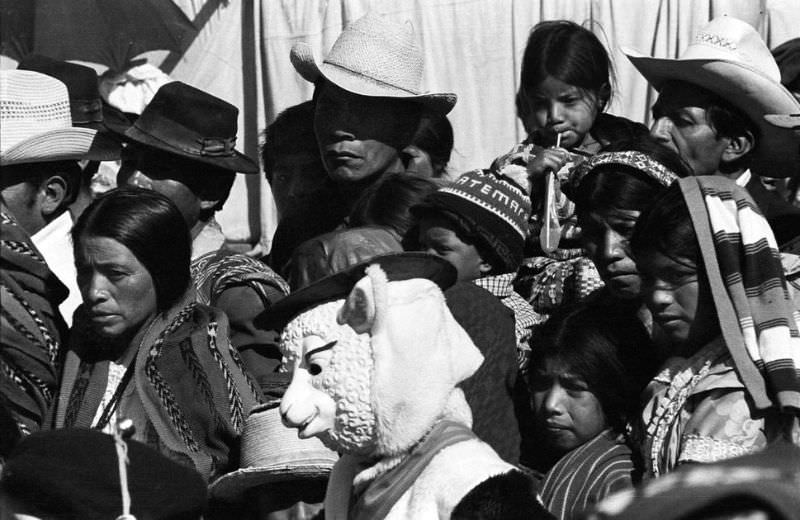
{"type": "Point", "coordinates": [711, 106]}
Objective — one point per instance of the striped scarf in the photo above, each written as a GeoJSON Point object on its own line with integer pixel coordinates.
{"type": "Point", "coordinates": [758, 321]}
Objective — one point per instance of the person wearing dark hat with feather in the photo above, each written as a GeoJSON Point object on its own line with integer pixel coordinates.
{"type": "Point", "coordinates": [183, 146]}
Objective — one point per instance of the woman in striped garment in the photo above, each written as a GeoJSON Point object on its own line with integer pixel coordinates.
{"type": "Point", "coordinates": [712, 278]}
{"type": "Point", "coordinates": [587, 372]}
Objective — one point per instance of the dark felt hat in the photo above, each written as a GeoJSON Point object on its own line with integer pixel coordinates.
{"type": "Point", "coordinates": [397, 266]}
{"type": "Point", "coordinates": [87, 107]}
{"type": "Point", "coordinates": [75, 473]}
{"type": "Point", "coordinates": [190, 123]}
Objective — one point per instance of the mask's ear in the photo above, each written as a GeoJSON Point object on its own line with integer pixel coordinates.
{"type": "Point", "coordinates": [358, 310]}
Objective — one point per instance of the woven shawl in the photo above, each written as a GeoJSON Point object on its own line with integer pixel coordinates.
{"type": "Point", "coordinates": [31, 328]}
{"type": "Point", "coordinates": [758, 322]}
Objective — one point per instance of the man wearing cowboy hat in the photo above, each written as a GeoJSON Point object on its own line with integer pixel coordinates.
{"type": "Point", "coordinates": [711, 106]}
{"type": "Point", "coordinates": [182, 146]}
{"type": "Point", "coordinates": [369, 100]}
{"type": "Point", "coordinates": [88, 110]}
{"type": "Point", "coordinates": [39, 154]}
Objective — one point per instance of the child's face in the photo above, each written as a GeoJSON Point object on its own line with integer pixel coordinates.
{"type": "Point", "coordinates": [562, 108]}
{"type": "Point", "coordinates": [437, 237]}
{"type": "Point", "coordinates": [567, 413]}
{"type": "Point", "coordinates": [680, 300]}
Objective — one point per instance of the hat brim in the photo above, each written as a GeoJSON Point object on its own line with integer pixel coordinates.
{"type": "Point", "coordinates": [748, 89]}
{"type": "Point", "coordinates": [784, 120]}
{"type": "Point", "coordinates": [237, 162]}
{"type": "Point", "coordinates": [306, 65]}
{"type": "Point", "coordinates": [63, 144]}
{"type": "Point", "coordinates": [233, 485]}
{"type": "Point", "coordinates": [397, 266]}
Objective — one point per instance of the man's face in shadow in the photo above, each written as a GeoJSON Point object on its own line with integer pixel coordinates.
{"type": "Point", "coordinates": [361, 136]}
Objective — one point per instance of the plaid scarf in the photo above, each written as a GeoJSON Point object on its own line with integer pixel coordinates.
{"type": "Point", "coordinates": [758, 321]}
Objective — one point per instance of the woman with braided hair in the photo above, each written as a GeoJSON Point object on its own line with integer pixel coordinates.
{"type": "Point", "coordinates": [141, 348]}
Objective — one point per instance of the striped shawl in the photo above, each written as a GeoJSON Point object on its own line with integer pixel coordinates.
{"type": "Point", "coordinates": [758, 321]}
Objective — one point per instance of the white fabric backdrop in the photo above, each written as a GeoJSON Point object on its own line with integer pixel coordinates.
{"type": "Point", "coordinates": [472, 48]}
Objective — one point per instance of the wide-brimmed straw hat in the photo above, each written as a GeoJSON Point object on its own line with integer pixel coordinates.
{"type": "Point", "coordinates": [373, 57]}
{"type": "Point", "coordinates": [87, 107]}
{"type": "Point", "coordinates": [190, 123]}
{"type": "Point", "coordinates": [728, 57]}
{"type": "Point", "coordinates": [273, 453]}
{"type": "Point", "coordinates": [35, 122]}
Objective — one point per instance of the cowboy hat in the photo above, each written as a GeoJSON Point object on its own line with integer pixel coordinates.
{"type": "Point", "coordinates": [87, 107]}
{"type": "Point", "coordinates": [373, 57]}
{"type": "Point", "coordinates": [729, 58]}
{"type": "Point", "coordinates": [190, 123]}
{"type": "Point", "coordinates": [35, 122]}
{"type": "Point", "coordinates": [272, 453]}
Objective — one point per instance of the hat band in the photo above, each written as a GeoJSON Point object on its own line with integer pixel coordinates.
{"type": "Point", "coordinates": [175, 135]}
{"type": "Point", "coordinates": [84, 111]}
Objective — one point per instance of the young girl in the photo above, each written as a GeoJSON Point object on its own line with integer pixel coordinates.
{"type": "Point", "coordinates": [587, 372]}
{"type": "Point", "coordinates": [712, 278]}
{"type": "Point", "coordinates": [565, 85]}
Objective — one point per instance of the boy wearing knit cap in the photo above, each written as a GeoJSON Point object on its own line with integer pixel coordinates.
{"type": "Point", "coordinates": [479, 224]}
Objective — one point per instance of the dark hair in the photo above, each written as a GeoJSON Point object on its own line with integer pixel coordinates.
{"type": "Point", "coordinates": [610, 350]}
{"type": "Point", "coordinates": [435, 136]}
{"type": "Point", "coordinates": [291, 132]}
{"type": "Point", "coordinates": [206, 181]}
{"type": "Point", "coordinates": [568, 52]}
{"type": "Point", "coordinates": [624, 187]}
{"type": "Point", "coordinates": [152, 227]}
{"type": "Point", "coordinates": [387, 202]}
{"type": "Point", "coordinates": [666, 227]}
{"type": "Point", "coordinates": [37, 173]}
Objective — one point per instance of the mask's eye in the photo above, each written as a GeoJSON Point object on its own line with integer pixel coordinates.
{"type": "Point", "coordinates": [317, 359]}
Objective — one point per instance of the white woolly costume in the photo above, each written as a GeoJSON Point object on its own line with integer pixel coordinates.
{"type": "Point", "coordinates": [385, 397]}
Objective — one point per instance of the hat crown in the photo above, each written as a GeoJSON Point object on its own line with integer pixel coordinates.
{"type": "Point", "coordinates": [81, 81]}
{"type": "Point", "coordinates": [381, 50]}
{"type": "Point", "coordinates": [30, 104]}
{"type": "Point", "coordinates": [737, 38]}
{"type": "Point", "coordinates": [204, 115]}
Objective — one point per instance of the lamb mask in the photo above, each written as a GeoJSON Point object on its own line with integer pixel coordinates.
{"type": "Point", "coordinates": [374, 372]}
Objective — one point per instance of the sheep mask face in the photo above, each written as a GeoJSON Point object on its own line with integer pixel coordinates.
{"type": "Point", "coordinates": [373, 373]}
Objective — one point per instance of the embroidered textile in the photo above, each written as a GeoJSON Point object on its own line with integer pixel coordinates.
{"type": "Point", "coordinates": [31, 326]}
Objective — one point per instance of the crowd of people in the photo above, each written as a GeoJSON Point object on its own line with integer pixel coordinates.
{"type": "Point", "coordinates": [601, 323]}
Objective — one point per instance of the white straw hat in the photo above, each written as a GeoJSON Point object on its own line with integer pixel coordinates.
{"type": "Point", "coordinates": [35, 121]}
{"type": "Point", "coordinates": [728, 57]}
{"type": "Point", "coordinates": [373, 57]}
{"type": "Point", "coordinates": [273, 453]}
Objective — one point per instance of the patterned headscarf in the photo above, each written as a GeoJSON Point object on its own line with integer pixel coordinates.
{"type": "Point", "coordinates": [756, 315]}
{"type": "Point", "coordinates": [633, 159]}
